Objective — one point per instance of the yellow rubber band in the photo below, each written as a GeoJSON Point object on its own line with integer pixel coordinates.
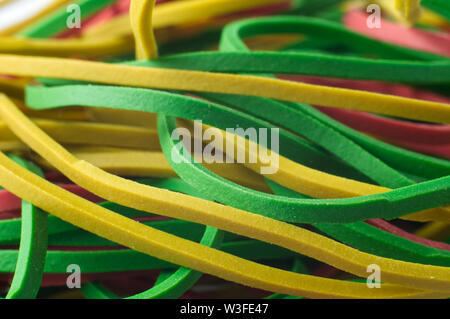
{"type": "Point", "coordinates": [88, 48]}
{"type": "Point", "coordinates": [176, 13]}
{"type": "Point", "coordinates": [14, 87]}
{"type": "Point", "coordinates": [410, 9]}
{"type": "Point", "coordinates": [435, 231]}
{"type": "Point", "coordinates": [70, 132]}
{"type": "Point", "coordinates": [224, 83]}
{"type": "Point", "coordinates": [139, 163]}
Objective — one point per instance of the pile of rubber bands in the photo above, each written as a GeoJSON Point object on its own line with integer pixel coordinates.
{"type": "Point", "coordinates": [94, 179]}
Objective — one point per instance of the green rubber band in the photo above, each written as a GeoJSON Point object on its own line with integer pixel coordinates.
{"type": "Point", "coordinates": [319, 28]}
{"type": "Point", "coordinates": [107, 261]}
{"type": "Point", "coordinates": [29, 262]}
{"type": "Point", "coordinates": [388, 205]}
{"type": "Point", "coordinates": [317, 64]}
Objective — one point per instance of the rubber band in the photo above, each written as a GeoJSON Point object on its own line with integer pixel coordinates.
{"type": "Point", "coordinates": [13, 87]}
{"type": "Point", "coordinates": [410, 9]}
{"type": "Point", "coordinates": [396, 157]}
{"type": "Point", "coordinates": [439, 6]}
{"type": "Point", "coordinates": [121, 43]}
{"type": "Point", "coordinates": [88, 48]}
{"type": "Point", "coordinates": [329, 146]}
{"type": "Point", "coordinates": [32, 249]}
{"type": "Point", "coordinates": [176, 13]}
{"type": "Point", "coordinates": [111, 261]}
{"type": "Point", "coordinates": [141, 12]}
{"type": "Point", "coordinates": [184, 247]}
{"type": "Point", "coordinates": [71, 132]}
{"type": "Point", "coordinates": [374, 240]}
{"type": "Point", "coordinates": [154, 164]}
{"type": "Point", "coordinates": [176, 283]}
{"type": "Point", "coordinates": [173, 105]}
{"type": "Point", "coordinates": [281, 272]}
{"type": "Point", "coordinates": [9, 202]}
{"type": "Point", "coordinates": [435, 231]}
{"type": "Point", "coordinates": [223, 83]}
{"type": "Point", "coordinates": [433, 42]}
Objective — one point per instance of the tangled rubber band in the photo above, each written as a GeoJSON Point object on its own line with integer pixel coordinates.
{"type": "Point", "coordinates": [97, 175]}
